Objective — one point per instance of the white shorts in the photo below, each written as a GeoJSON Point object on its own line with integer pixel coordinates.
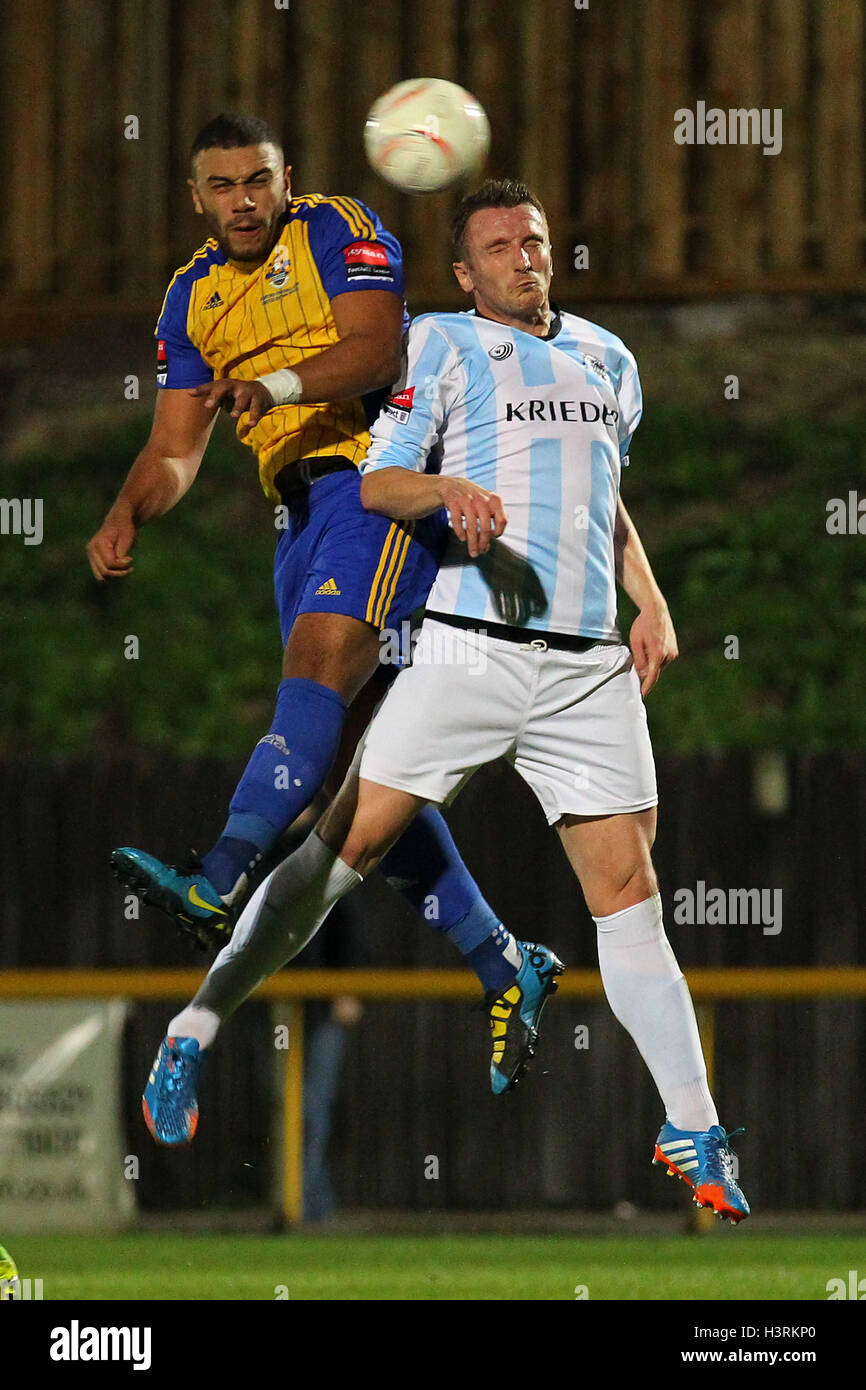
{"type": "Point", "coordinates": [572, 723]}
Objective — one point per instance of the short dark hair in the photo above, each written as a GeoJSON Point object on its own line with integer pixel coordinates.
{"type": "Point", "coordinates": [233, 131]}
{"type": "Point", "coordinates": [495, 193]}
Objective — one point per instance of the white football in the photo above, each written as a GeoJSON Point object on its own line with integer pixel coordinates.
{"type": "Point", "coordinates": [425, 135]}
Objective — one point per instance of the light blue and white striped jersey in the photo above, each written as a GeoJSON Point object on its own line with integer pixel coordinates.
{"type": "Point", "coordinates": [545, 423]}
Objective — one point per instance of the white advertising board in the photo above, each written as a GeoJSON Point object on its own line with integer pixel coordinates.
{"type": "Point", "coordinates": [61, 1124]}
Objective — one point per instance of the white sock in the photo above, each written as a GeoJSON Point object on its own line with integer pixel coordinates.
{"type": "Point", "coordinates": [648, 995]}
{"type": "Point", "coordinates": [281, 917]}
{"type": "Point", "coordinates": [194, 1022]}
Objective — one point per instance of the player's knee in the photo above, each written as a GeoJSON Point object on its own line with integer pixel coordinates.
{"type": "Point", "coordinates": [362, 849]}
{"type": "Point", "coordinates": [381, 816]}
{"type": "Point", "coordinates": [623, 886]}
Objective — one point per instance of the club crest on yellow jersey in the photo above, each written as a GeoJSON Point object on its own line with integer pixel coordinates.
{"type": "Point", "coordinates": [277, 275]}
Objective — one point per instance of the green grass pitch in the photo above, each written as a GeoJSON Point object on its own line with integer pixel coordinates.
{"type": "Point", "coordinates": [723, 1265]}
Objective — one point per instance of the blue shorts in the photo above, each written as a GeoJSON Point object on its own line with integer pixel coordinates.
{"type": "Point", "coordinates": [335, 557]}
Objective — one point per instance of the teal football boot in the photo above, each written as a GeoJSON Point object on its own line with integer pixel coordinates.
{"type": "Point", "coordinates": [185, 895]}
{"type": "Point", "coordinates": [170, 1100]}
{"type": "Point", "coordinates": [705, 1160]}
{"type": "Point", "coordinates": [515, 1012]}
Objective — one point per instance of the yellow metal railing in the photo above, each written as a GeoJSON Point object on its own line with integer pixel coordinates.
{"type": "Point", "coordinates": [786, 982]}
{"type": "Point", "coordinates": [708, 987]}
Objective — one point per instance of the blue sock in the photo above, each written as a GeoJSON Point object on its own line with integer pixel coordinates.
{"type": "Point", "coordinates": [287, 768]}
{"type": "Point", "coordinates": [425, 866]}
{"type": "Point", "coordinates": [490, 960]}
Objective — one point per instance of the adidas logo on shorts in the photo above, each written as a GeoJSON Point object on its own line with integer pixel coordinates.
{"type": "Point", "coordinates": [329, 587]}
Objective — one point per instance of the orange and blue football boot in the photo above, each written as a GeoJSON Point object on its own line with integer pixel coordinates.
{"type": "Point", "coordinates": [514, 1014]}
{"type": "Point", "coordinates": [186, 895]}
{"type": "Point", "coordinates": [704, 1160]}
{"type": "Point", "coordinates": [170, 1100]}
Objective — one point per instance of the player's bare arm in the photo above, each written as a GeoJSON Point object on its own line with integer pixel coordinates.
{"type": "Point", "coordinates": [366, 358]}
{"type": "Point", "coordinates": [477, 516]}
{"type": "Point", "coordinates": [159, 477]}
{"type": "Point", "coordinates": [652, 639]}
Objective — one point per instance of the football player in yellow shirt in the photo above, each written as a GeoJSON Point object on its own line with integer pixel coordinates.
{"type": "Point", "coordinates": [291, 317]}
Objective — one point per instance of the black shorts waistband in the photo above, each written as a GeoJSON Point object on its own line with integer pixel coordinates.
{"type": "Point", "coordinates": [294, 481]}
{"type": "Point", "coordinates": [559, 641]}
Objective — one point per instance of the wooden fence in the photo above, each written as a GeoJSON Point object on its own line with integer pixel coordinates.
{"type": "Point", "coordinates": [582, 103]}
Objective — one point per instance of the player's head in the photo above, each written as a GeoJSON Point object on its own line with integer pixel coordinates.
{"type": "Point", "coordinates": [501, 249]}
{"type": "Point", "coordinates": [240, 184]}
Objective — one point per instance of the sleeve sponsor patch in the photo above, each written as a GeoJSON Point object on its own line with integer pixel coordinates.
{"type": "Point", "coordinates": [399, 407]}
{"type": "Point", "coordinates": [161, 363]}
{"type": "Point", "coordinates": [367, 260]}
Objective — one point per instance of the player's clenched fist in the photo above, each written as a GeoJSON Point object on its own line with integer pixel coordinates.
{"type": "Point", "coordinates": [109, 550]}
{"type": "Point", "coordinates": [236, 397]}
{"type": "Point", "coordinates": [653, 643]}
{"type": "Point", "coordinates": [477, 516]}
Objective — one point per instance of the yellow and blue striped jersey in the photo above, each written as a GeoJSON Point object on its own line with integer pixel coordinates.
{"type": "Point", "coordinates": [220, 319]}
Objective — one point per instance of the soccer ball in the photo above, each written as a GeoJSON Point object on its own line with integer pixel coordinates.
{"type": "Point", "coordinates": [10, 1284]}
{"type": "Point", "coordinates": [426, 134]}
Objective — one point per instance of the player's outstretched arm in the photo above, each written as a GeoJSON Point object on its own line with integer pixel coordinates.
{"type": "Point", "coordinates": [477, 516]}
{"type": "Point", "coordinates": [159, 477]}
{"type": "Point", "coordinates": [652, 639]}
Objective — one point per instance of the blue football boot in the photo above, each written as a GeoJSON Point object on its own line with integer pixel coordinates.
{"type": "Point", "coordinates": [705, 1160]}
{"type": "Point", "coordinates": [186, 895]}
{"type": "Point", "coordinates": [170, 1103]}
{"type": "Point", "coordinates": [515, 1012]}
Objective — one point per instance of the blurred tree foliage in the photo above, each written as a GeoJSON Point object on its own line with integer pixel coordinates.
{"type": "Point", "coordinates": [733, 516]}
